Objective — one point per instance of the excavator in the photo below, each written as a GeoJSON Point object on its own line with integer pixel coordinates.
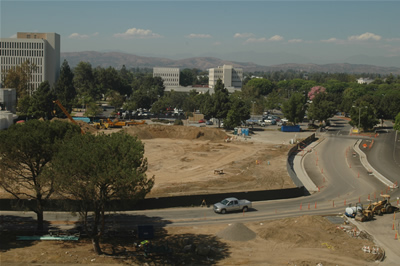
{"type": "Point", "coordinates": [67, 114]}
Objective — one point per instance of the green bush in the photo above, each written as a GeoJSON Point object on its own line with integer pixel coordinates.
{"type": "Point", "coordinates": [178, 122]}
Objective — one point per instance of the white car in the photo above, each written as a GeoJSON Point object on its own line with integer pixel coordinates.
{"type": "Point", "coordinates": [284, 120]}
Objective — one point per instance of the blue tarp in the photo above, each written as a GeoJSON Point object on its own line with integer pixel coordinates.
{"type": "Point", "coordinates": [290, 128]}
{"type": "Point", "coordinates": [84, 119]}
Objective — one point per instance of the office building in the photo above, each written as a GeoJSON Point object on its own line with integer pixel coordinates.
{"type": "Point", "coordinates": [41, 49]}
{"type": "Point", "coordinates": [230, 76]}
{"type": "Point", "coordinates": [170, 76]}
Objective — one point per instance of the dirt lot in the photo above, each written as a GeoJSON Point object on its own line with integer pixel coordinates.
{"type": "Point", "coordinates": [183, 160]}
{"type": "Point", "coordinates": [306, 240]}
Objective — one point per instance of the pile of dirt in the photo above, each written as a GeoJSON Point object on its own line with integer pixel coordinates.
{"type": "Point", "coordinates": [175, 132]}
{"type": "Point", "coordinates": [237, 232]}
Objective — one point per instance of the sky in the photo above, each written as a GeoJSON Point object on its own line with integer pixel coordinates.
{"type": "Point", "coordinates": [262, 32]}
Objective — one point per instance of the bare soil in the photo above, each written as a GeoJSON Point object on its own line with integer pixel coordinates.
{"type": "Point", "coordinates": [305, 240]}
{"type": "Point", "coordinates": [183, 160]}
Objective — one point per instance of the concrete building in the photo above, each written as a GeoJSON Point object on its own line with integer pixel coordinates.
{"type": "Point", "coordinates": [364, 81]}
{"type": "Point", "coordinates": [169, 75]}
{"type": "Point", "coordinates": [230, 76]}
{"type": "Point", "coordinates": [41, 49]}
{"type": "Point", "coordinates": [8, 100]}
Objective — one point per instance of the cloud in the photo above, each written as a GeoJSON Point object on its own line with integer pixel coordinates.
{"type": "Point", "coordinates": [295, 40]}
{"type": "Point", "coordinates": [255, 40]}
{"type": "Point", "coordinates": [364, 37]}
{"type": "Point", "coordinates": [200, 36]}
{"type": "Point", "coordinates": [243, 35]}
{"type": "Point", "coordinates": [134, 33]}
{"type": "Point", "coordinates": [276, 38]}
{"type": "Point", "coordinates": [330, 40]}
{"type": "Point", "coordinates": [82, 36]}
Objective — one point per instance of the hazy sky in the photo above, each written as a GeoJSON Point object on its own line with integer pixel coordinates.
{"type": "Point", "coordinates": [262, 32]}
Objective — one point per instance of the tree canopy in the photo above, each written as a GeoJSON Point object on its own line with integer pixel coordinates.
{"type": "Point", "coordinates": [26, 150]}
{"type": "Point", "coordinates": [294, 108]}
{"type": "Point", "coordinates": [97, 169]}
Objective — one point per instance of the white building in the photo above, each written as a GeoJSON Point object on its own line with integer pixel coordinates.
{"type": "Point", "coordinates": [41, 49]}
{"type": "Point", "coordinates": [169, 75]}
{"type": "Point", "coordinates": [364, 81]}
{"type": "Point", "coordinates": [230, 76]}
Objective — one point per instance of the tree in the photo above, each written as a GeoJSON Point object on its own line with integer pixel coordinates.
{"type": "Point", "coordinates": [96, 169]}
{"type": "Point", "coordinates": [238, 113]}
{"type": "Point", "coordinates": [64, 88]}
{"type": "Point", "coordinates": [186, 77]}
{"type": "Point", "coordinates": [397, 122]}
{"type": "Point", "coordinates": [26, 151]}
{"type": "Point", "coordinates": [84, 80]}
{"type": "Point", "coordinates": [19, 78]}
{"type": "Point", "coordinates": [221, 101]}
{"type": "Point", "coordinates": [115, 99]}
{"type": "Point", "coordinates": [314, 91]}
{"type": "Point", "coordinates": [294, 108]}
{"type": "Point", "coordinates": [321, 108]}
{"type": "Point", "coordinates": [257, 87]}
{"type": "Point", "coordinates": [41, 103]}
{"type": "Point", "coordinates": [273, 101]}
{"type": "Point", "coordinates": [363, 116]}
{"type": "Point", "coordinates": [206, 104]}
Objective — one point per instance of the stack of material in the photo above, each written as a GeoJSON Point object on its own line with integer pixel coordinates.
{"type": "Point", "coordinates": [237, 232]}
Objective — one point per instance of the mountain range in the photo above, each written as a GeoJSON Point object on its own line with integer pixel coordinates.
{"type": "Point", "coordinates": [118, 59]}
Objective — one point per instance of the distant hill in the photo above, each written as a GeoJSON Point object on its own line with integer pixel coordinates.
{"type": "Point", "coordinates": [117, 60]}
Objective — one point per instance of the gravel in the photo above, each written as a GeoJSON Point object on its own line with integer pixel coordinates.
{"type": "Point", "coordinates": [237, 232]}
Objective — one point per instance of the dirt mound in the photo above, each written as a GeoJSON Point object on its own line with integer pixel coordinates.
{"type": "Point", "coordinates": [237, 232]}
{"type": "Point", "coordinates": [175, 132]}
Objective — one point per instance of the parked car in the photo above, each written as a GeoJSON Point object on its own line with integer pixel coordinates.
{"type": "Point", "coordinates": [209, 123]}
{"type": "Point", "coordinates": [232, 204]}
{"type": "Point", "coordinates": [202, 121]}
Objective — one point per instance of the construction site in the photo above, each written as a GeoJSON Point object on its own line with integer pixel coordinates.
{"type": "Point", "coordinates": [183, 160]}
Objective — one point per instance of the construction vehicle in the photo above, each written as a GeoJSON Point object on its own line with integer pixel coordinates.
{"type": "Point", "coordinates": [67, 114]}
{"type": "Point", "coordinates": [359, 213]}
{"type": "Point", "coordinates": [382, 206]}
{"type": "Point", "coordinates": [101, 124]}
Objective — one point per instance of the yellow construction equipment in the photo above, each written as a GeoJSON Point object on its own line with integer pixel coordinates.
{"type": "Point", "coordinates": [101, 124]}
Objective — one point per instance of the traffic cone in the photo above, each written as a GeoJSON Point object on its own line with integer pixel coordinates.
{"type": "Point", "coordinates": [395, 236]}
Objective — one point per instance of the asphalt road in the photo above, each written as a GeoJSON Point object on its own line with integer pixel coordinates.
{"type": "Point", "coordinates": [384, 154]}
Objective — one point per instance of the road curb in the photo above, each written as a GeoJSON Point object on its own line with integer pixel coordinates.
{"type": "Point", "coordinates": [368, 166]}
{"type": "Point", "coordinates": [311, 187]}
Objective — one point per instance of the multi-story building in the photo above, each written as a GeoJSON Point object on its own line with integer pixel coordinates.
{"type": "Point", "coordinates": [170, 76]}
{"type": "Point", "coordinates": [41, 49]}
{"type": "Point", "coordinates": [230, 76]}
